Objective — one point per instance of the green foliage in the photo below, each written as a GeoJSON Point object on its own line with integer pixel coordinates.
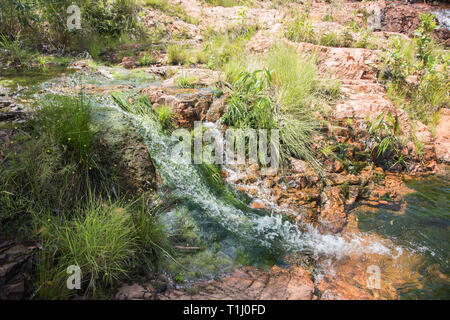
{"type": "Point", "coordinates": [176, 54]}
{"type": "Point", "coordinates": [179, 278]}
{"type": "Point", "coordinates": [165, 116]}
{"type": "Point", "coordinates": [172, 10]}
{"type": "Point", "coordinates": [146, 59]}
{"type": "Point", "coordinates": [101, 241]}
{"type": "Point", "coordinates": [108, 240]}
{"type": "Point", "coordinates": [386, 135]}
{"type": "Point", "coordinates": [416, 73]}
{"type": "Point", "coordinates": [221, 48]}
{"type": "Point", "coordinates": [16, 55]}
{"type": "Point", "coordinates": [300, 29]}
{"type": "Point", "coordinates": [249, 106]}
{"type": "Point", "coordinates": [53, 164]}
{"type": "Point", "coordinates": [186, 81]}
{"type": "Point", "coordinates": [43, 23]}
{"type": "Point", "coordinates": [330, 39]}
{"type": "Point", "coordinates": [151, 233]}
{"type": "Point", "coordinates": [70, 126]}
{"type": "Point", "coordinates": [297, 92]}
{"type": "Point", "coordinates": [423, 38]}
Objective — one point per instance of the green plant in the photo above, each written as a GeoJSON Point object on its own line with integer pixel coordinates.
{"type": "Point", "coordinates": [249, 105]}
{"type": "Point", "coordinates": [176, 54]}
{"type": "Point", "coordinates": [186, 81]}
{"type": "Point", "coordinates": [172, 10]}
{"type": "Point", "coordinates": [416, 73]}
{"type": "Point", "coordinates": [53, 164]}
{"type": "Point", "coordinates": [70, 126]}
{"type": "Point", "coordinates": [226, 3]}
{"type": "Point", "coordinates": [330, 39]}
{"type": "Point", "coordinates": [179, 278]}
{"type": "Point", "coordinates": [101, 241]}
{"type": "Point", "coordinates": [16, 55]}
{"type": "Point", "coordinates": [300, 29]}
{"type": "Point", "coordinates": [165, 116]}
{"type": "Point", "coordinates": [423, 38]}
{"type": "Point", "coordinates": [146, 59]}
{"type": "Point", "coordinates": [386, 135]}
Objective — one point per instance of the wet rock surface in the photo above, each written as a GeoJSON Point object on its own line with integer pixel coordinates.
{"type": "Point", "coordinates": [246, 283]}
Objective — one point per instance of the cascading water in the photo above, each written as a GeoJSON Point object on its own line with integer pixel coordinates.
{"type": "Point", "coordinates": [257, 233]}
{"type": "Point", "coordinates": [443, 17]}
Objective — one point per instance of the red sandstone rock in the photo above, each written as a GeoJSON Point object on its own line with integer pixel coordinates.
{"type": "Point", "coordinates": [333, 216]}
{"type": "Point", "coordinates": [442, 139]}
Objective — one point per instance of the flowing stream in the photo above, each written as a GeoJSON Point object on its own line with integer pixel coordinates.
{"type": "Point", "coordinates": [233, 234]}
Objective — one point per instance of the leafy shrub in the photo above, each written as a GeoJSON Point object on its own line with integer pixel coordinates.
{"type": "Point", "coordinates": [387, 143]}
{"type": "Point", "coordinates": [416, 73]}
{"type": "Point", "coordinates": [43, 23]}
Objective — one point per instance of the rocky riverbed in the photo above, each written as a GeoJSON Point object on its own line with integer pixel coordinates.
{"type": "Point", "coordinates": [320, 204]}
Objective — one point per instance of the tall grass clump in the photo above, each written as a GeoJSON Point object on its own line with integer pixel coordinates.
{"type": "Point", "coordinates": [284, 95]}
{"type": "Point", "coordinates": [53, 163]}
{"type": "Point", "coordinates": [177, 54]}
{"type": "Point", "coordinates": [300, 28]}
{"type": "Point", "coordinates": [101, 241]}
{"type": "Point", "coordinates": [107, 239]}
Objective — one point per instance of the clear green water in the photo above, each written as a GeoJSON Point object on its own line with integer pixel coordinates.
{"type": "Point", "coordinates": [424, 228]}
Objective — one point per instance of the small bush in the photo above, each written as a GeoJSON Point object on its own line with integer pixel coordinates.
{"type": "Point", "coordinates": [16, 55]}
{"type": "Point", "coordinates": [300, 29]}
{"type": "Point", "coordinates": [176, 54]}
{"type": "Point", "coordinates": [146, 59]}
{"type": "Point", "coordinates": [416, 73]}
{"type": "Point", "coordinates": [185, 81]}
{"type": "Point", "coordinates": [330, 39]}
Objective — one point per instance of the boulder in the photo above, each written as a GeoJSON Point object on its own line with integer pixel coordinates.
{"type": "Point", "coordinates": [188, 105]}
{"type": "Point", "coordinates": [124, 148]}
